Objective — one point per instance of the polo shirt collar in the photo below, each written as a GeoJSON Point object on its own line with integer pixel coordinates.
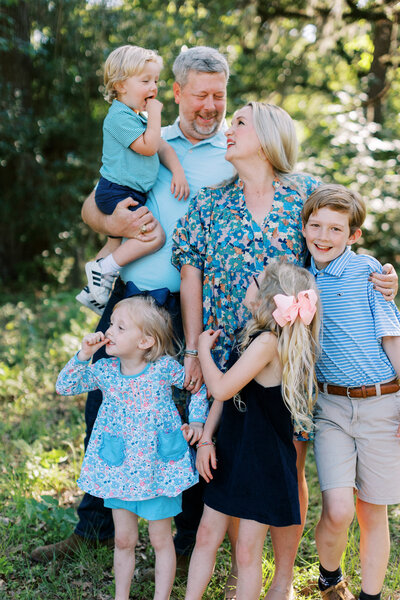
{"type": "Point", "coordinates": [218, 140]}
{"type": "Point", "coordinates": [337, 266]}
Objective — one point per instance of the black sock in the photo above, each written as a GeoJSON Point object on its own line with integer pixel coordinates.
{"type": "Point", "coordinates": [328, 578]}
{"type": "Point", "coordinates": [364, 596]}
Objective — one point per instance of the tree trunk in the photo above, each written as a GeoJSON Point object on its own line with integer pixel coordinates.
{"type": "Point", "coordinates": [378, 85]}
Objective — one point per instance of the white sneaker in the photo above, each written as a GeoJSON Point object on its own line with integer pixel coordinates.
{"type": "Point", "coordinates": [100, 284]}
{"type": "Point", "coordinates": [86, 298]}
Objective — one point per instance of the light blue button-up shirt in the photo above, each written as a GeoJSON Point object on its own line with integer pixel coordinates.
{"type": "Point", "coordinates": [204, 165]}
{"type": "Point", "coordinates": [354, 320]}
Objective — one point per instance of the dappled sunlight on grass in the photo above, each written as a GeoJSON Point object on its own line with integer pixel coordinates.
{"type": "Point", "coordinates": [40, 456]}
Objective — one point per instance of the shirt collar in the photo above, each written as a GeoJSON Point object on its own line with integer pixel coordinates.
{"type": "Point", "coordinates": [174, 131]}
{"type": "Point", "coordinates": [337, 266]}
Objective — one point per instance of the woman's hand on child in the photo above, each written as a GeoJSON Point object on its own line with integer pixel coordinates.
{"type": "Point", "coordinates": [386, 282]}
{"type": "Point", "coordinates": [90, 344]}
{"type": "Point", "coordinates": [193, 375]}
{"type": "Point", "coordinates": [206, 460]}
{"type": "Point", "coordinates": [179, 185]}
{"type": "Point", "coordinates": [208, 338]}
{"type": "Point", "coordinates": [192, 432]}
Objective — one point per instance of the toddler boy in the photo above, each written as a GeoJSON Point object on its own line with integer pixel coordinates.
{"type": "Point", "coordinates": [357, 437]}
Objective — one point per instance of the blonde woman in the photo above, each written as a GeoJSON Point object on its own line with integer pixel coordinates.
{"type": "Point", "coordinates": [229, 234]}
{"type": "Point", "coordinates": [255, 478]}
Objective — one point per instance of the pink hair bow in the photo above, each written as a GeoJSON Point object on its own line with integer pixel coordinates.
{"type": "Point", "coordinates": [288, 308]}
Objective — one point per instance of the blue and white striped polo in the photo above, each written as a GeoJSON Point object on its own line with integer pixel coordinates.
{"type": "Point", "coordinates": [355, 318]}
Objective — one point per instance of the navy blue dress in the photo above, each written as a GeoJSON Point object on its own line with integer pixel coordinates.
{"type": "Point", "coordinates": [256, 476]}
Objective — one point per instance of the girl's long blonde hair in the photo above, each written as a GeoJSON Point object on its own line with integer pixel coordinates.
{"type": "Point", "coordinates": [298, 344]}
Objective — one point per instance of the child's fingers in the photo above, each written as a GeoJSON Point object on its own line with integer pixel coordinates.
{"type": "Point", "coordinates": [187, 432]}
{"type": "Point", "coordinates": [97, 338]}
{"type": "Point", "coordinates": [213, 459]}
{"type": "Point", "coordinates": [204, 455]}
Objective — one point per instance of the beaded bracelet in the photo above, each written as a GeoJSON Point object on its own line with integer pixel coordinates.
{"type": "Point", "coordinates": [190, 352]}
{"type": "Point", "coordinates": [200, 444]}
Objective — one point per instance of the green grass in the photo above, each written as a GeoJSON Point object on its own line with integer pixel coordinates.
{"type": "Point", "coordinates": [41, 444]}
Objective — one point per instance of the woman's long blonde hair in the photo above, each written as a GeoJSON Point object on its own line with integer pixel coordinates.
{"type": "Point", "coordinates": [298, 344]}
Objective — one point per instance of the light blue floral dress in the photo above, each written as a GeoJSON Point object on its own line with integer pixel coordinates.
{"type": "Point", "coordinates": [220, 237]}
{"type": "Point", "coordinates": [136, 450]}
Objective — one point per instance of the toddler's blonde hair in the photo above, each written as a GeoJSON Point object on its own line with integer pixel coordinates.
{"type": "Point", "coordinates": [298, 344]}
{"type": "Point", "coordinates": [123, 62]}
{"type": "Point", "coordinates": [153, 321]}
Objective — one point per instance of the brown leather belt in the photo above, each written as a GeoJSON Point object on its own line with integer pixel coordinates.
{"type": "Point", "coordinates": [364, 391]}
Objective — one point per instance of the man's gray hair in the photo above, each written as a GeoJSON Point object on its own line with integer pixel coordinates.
{"type": "Point", "coordinates": [202, 59]}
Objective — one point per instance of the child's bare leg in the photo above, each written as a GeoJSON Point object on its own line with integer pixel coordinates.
{"type": "Point", "coordinates": [126, 536]}
{"type": "Point", "coordinates": [211, 532]}
{"type": "Point", "coordinates": [161, 539]}
{"type": "Point", "coordinates": [233, 532]}
{"type": "Point", "coordinates": [133, 249]}
{"type": "Point", "coordinates": [374, 545]}
{"type": "Point", "coordinates": [109, 247]}
{"type": "Point", "coordinates": [286, 540]}
{"type": "Point", "coordinates": [249, 550]}
{"type": "Point", "coordinates": [331, 532]}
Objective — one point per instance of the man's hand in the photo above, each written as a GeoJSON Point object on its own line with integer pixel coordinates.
{"type": "Point", "coordinates": [131, 224]}
{"type": "Point", "coordinates": [122, 222]}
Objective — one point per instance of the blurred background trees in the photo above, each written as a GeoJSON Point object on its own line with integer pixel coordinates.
{"type": "Point", "coordinates": [334, 66]}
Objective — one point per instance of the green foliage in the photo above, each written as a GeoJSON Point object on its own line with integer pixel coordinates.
{"type": "Point", "coordinates": [320, 60]}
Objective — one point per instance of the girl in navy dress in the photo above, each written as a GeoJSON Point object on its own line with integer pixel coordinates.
{"type": "Point", "coordinates": [256, 403]}
{"type": "Point", "coordinates": [138, 458]}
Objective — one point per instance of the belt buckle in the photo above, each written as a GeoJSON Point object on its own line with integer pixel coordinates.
{"type": "Point", "coordinates": [348, 389]}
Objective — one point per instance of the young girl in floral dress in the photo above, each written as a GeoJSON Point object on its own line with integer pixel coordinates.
{"type": "Point", "coordinates": [138, 458]}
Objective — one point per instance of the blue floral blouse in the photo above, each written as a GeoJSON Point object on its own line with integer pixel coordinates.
{"type": "Point", "coordinates": [220, 237]}
{"type": "Point", "coordinates": [136, 450]}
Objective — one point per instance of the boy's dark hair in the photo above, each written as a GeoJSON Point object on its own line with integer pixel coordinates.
{"type": "Point", "coordinates": [339, 198]}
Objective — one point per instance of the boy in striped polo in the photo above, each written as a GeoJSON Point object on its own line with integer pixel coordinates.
{"type": "Point", "coordinates": [132, 150]}
{"type": "Point", "coordinates": [357, 438]}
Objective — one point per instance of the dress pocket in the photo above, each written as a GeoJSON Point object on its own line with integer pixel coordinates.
{"type": "Point", "coordinates": [171, 445]}
{"type": "Point", "coordinates": [112, 449]}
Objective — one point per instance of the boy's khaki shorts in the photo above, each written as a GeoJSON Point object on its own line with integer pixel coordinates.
{"type": "Point", "coordinates": [356, 445]}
